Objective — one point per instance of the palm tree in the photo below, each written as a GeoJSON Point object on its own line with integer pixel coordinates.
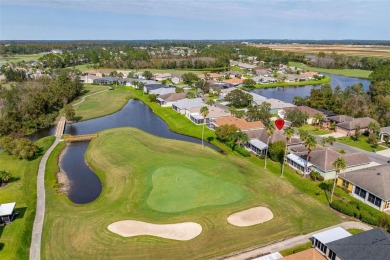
{"type": "Point", "coordinates": [270, 131]}
{"type": "Point", "coordinates": [289, 132]}
{"type": "Point", "coordinates": [204, 111]}
{"type": "Point", "coordinates": [310, 143]}
{"type": "Point", "coordinates": [318, 118]}
{"type": "Point", "coordinates": [210, 102]}
{"type": "Point", "coordinates": [303, 134]}
{"type": "Point", "coordinates": [240, 138]}
{"type": "Point", "coordinates": [374, 128]}
{"type": "Point", "coordinates": [338, 166]}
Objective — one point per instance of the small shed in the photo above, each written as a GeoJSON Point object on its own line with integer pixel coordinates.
{"type": "Point", "coordinates": [7, 212]}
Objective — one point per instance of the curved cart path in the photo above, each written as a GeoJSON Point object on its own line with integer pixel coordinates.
{"type": "Point", "coordinates": [83, 99]}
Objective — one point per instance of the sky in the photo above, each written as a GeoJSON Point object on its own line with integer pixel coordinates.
{"type": "Point", "coordinates": [194, 20]}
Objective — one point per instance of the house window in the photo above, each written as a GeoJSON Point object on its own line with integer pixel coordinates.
{"type": "Point", "coordinates": [331, 255]}
{"type": "Point", "coordinates": [345, 184]}
{"type": "Point", "coordinates": [360, 192]}
{"type": "Point", "coordinates": [374, 200]}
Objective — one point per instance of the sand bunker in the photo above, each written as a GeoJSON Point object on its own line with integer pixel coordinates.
{"type": "Point", "coordinates": [250, 217]}
{"type": "Point", "coordinates": [179, 231]}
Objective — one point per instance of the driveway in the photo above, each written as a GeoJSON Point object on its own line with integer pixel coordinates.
{"type": "Point", "coordinates": [385, 153]}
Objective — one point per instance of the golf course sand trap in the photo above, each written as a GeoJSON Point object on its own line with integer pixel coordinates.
{"type": "Point", "coordinates": [250, 217]}
{"type": "Point", "coordinates": [179, 231]}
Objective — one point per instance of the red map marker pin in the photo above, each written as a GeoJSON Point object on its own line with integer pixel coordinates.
{"type": "Point", "coordinates": [279, 123]}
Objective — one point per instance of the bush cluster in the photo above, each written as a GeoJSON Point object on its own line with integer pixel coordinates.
{"type": "Point", "coordinates": [20, 147]}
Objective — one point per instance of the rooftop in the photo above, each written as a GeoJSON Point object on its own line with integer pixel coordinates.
{"type": "Point", "coordinates": [373, 244]}
{"type": "Point", "coordinates": [241, 124]}
{"type": "Point", "coordinates": [310, 111]}
{"type": "Point", "coordinates": [7, 209]}
{"type": "Point", "coordinates": [363, 122]}
{"type": "Point", "coordinates": [187, 103]}
{"type": "Point", "coordinates": [214, 112]}
{"type": "Point", "coordinates": [309, 254]}
{"type": "Point", "coordinates": [278, 104]}
{"type": "Point", "coordinates": [172, 97]}
{"type": "Point", "coordinates": [375, 179]}
{"type": "Point", "coordinates": [331, 235]}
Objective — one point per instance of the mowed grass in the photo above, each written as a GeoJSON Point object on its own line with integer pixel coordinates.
{"type": "Point", "coordinates": [362, 143]}
{"type": "Point", "coordinates": [354, 73]}
{"type": "Point", "coordinates": [314, 130]}
{"type": "Point", "coordinates": [20, 57]}
{"type": "Point", "coordinates": [126, 160]}
{"type": "Point", "coordinates": [176, 189]}
{"type": "Point", "coordinates": [15, 238]}
{"type": "Point", "coordinates": [101, 104]}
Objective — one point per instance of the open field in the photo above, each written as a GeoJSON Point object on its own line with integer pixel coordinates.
{"type": "Point", "coordinates": [101, 104]}
{"type": "Point", "coordinates": [20, 57]}
{"type": "Point", "coordinates": [15, 238]}
{"type": "Point", "coordinates": [353, 50]}
{"type": "Point", "coordinates": [128, 162]}
{"type": "Point", "coordinates": [353, 73]}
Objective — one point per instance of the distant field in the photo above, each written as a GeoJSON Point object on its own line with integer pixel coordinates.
{"type": "Point", "coordinates": [353, 50]}
{"type": "Point", "coordinates": [355, 73]}
{"type": "Point", "coordinates": [19, 58]}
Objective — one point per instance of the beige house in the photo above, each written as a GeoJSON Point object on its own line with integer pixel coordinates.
{"type": "Point", "coordinates": [311, 112]}
{"type": "Point", "coordinates": [346, 125]}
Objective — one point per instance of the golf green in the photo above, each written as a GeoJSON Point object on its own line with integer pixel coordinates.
{"type": "Point", "coordinates": [178, 188]}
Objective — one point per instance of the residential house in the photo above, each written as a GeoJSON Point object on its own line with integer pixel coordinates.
{"type": "Point", "coordinates": [322, 239]}
{"type": "Point", "coordinates": [258, 140]}
{"type": "Point", "coordinates": [167, 100]}
{"type": "Point", "coordinates": [373, 244]}
{"type": "Point", "coordinates": [348, 127]}
{"type": "Point", "coordinates": [311, 112]}
{"type": "Point", "coordinates": [106, 80]}
{"type": "Point", "coordinates": [240, 123]}
{"type": "Point", "coordinates": [370, 185]}
{"type": "Point", "coordinates": [262, 71]}
{"type": "Point", "coordinates": [385, 131]}
{"type": "Point", "coordinates": [278, 107]}
{"type": "Point", "coordinates": [195, 115]}
{"type": "Point", "coordinates": [182, 105]}
{"type": "Point", "coordinates": [245, 66]}
{"type": "Point", "coordinates": [176, 80]}
{"type": "Point", "coordinates": [257, 99]}
{"type": "Point", "coordinates": [162, 91]}
{"type": "Point", "coordinates": [149, 87]}
{"type": "Point", "coordinates": [131, 82]}
{"type": "Point", "coordinates": [321, 160]}
{"type": "Point", "coordinates": [88, 78]}
{"type": "Point", "coordinates": [210, 76]}
{"type": "Point", "coordinates": [225, 91]}
{"type": "Point", "coordinates": [98, 73]}
{"type": "Point", "coordinates": [234, 81]}
{"type": "Point", "coordinates": [161, 76]}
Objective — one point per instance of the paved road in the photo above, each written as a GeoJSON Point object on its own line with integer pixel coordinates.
{"type": "Point", "coordinates": [35, 248]}
{"type": "Point", "coordinates": [289, 243]}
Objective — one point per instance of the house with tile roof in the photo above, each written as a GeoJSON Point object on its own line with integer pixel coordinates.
{"type": "Point", "coordinates": [373, 244]}
{"type": "Point", "coordinates": [309, 254]}
{"type": "Point", "coordinates": [346, 125]}
{"type": "Point", "coordinates": [241, 123]}
{"type": "Point", "coordinates": [370, 185]}
{"type": "Point", "coordinates": [321, 160]}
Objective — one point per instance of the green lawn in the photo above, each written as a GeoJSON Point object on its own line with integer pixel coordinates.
{"type": "Point", "coordinates": [294, 84]}
{"type": "Point", "coordinates": [355, 231]}
{"type": "Point", "coordinates": [15, 238]}
{"type": "Point", "coordinates": [19, 58]}
{"type": "Point", "coordinates": [361, 143]}
{"type": "Point", "coordinates": [101, 104]}
{"type": "Point", "coordinates": [354, 73]}
{"type": "Point", "coordinates": [134, 165]}
{"type": "Point", "coordinates": [314, 130]}
{"type": "Point", "coordinates": [296, 249]}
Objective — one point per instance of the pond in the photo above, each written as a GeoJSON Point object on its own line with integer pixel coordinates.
{"type": "Point", "coordinates": [85, 186]}
{"type": "Point", "coordinates": [287, 94]}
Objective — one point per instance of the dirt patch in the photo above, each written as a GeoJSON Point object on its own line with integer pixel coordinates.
{"type": "Point", "coordinates": [250, 217]}
{"type": "Point", "coordinates": [180, 231]}
{"type": "Point", "coordinates": [63, 182]}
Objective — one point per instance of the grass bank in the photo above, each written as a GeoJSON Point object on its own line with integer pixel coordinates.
{"type": "Point", "coordinates": [101, 104]}
{"type": "Point", "coordinates": [130, 163]}
{"type": "Point", "coordinates": [15, 238]}
{"type": "Point", "coordinates": [295, 84]}
{"type": "Point", "coordinates": [353, 73]}
{"type": "Point", "coordinates": [314, 130]}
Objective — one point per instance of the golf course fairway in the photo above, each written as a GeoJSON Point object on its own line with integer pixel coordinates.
{"type": "Point", "coordinates": [162, 181]}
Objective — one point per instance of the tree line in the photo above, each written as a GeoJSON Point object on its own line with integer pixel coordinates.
{"type": "Point", "coordinates": [354, 100]}
{"type": "Point", "coordinates": [31, 105]}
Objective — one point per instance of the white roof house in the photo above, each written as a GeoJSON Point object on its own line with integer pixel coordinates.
{"type": "Point", "coordinates": [182, 105]}
{"type": "Point", "coordinates": [7, 209]}
{"type": "Point", "coordinates": [331, 235]}
{"type": "Point", "coordinates": [162, 91]}
{"type": "Point", "coordinates": [257, 99]}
